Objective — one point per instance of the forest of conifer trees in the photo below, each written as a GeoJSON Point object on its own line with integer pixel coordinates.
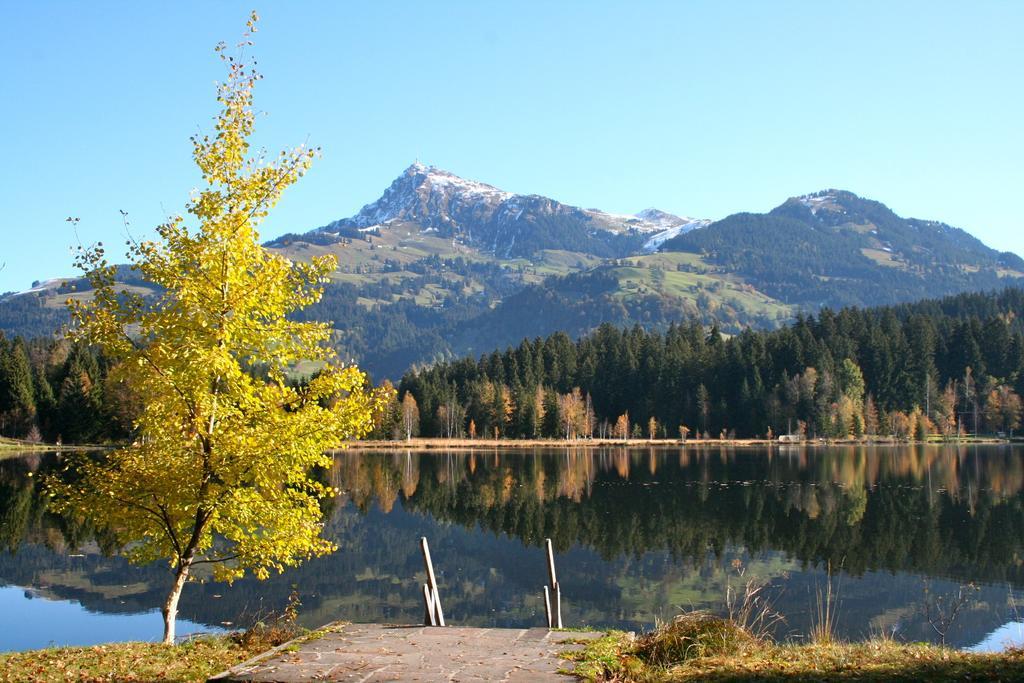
{"type": "Point", "coordinates": [952, 367]}
{"type": "Point", "coordinates": [948, 367]}
{"type": "Point", "coordinates": [54, 391]}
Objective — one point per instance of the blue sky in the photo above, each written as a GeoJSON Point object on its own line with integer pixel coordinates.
{"type": "Point", "coordinates": [699, 108]}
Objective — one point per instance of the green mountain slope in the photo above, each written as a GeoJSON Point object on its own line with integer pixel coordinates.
{"type": "Point", "coordinates": [440, 266]}
{"type": "Point", "coordinates": [834, 248]}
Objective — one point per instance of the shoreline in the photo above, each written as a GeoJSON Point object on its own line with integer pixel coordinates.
{"type": "Point", "coordinates": [433, 443]}
{"type": "Point", "coordinates": [13, 448]}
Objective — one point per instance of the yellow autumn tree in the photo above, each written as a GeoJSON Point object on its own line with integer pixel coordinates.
{"type": "Point", "coordinates": [219, 471]}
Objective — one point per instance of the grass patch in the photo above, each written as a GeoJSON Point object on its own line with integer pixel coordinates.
{"type": "Point", "coordinates": [195, 660]}
{"type": "Point", "coordinates": [875, 660]}
{"type": "Point", "coordinates": [638, 276]}
{"type": "Point", "coordinates": [883, 258]}
{"type": "Point", "coordinates": [701, 647]}
{"type": "Point", "coordinates": [608, 658]}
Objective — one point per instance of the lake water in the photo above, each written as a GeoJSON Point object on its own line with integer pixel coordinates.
{"type": "Point", "coordinates": [639, 534]}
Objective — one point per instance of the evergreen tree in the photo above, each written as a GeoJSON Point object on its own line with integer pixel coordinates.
{"type": "Point", "coordinates": [17, 399]}
{"type": "Point", "coordinates": [46, 402]}
{"type": "Point", "coordinates": [78, 409]}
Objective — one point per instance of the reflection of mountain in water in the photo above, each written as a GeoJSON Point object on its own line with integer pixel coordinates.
{"type": "Point", "coordinates": [640, 533]}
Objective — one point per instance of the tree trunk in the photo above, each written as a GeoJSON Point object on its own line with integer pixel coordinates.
{"type": "Point", "coordinates": [170, 610]}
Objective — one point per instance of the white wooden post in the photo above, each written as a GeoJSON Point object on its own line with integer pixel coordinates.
{"type": "Point", "coordinates": [428, 607]}
{"type": "Point", "coordinates": [431, 598]}
{"type": "Point", "coordinates": [552, 596]}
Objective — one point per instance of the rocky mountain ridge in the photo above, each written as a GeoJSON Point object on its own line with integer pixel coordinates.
{"type": "Point", "coordinates": [504, 224]}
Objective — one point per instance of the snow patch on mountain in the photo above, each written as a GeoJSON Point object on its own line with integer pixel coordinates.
{"type": "Point", "coordinates": [688, 225]}
{"type": "Point", "coordinates": [824, 200]}
{"type": "Point", "coordinates": [44, 286]}
{"type": "Point", "coordinates": [649, 221]}
{"type": "Point", "coordinates": [662, 220]}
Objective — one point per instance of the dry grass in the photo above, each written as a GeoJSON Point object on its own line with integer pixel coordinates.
{"type": "Point", "coordinates": [698, 647]}
{"type": "Point", "coordinates": [272, 628]}
{"type": "Point", "coordinates": [689, 636]}
{"type": "Point", "coordinates": [195, 660]}
{"type": "Point", "coordinates": [823, 630]}
{"type": "Point", "coordinates": [752, 609]}
{"type": "Point", "coordinates": [876, 660]}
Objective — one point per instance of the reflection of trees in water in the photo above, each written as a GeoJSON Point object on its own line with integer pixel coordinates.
{"type": "Point", "coordinates": [958, 471]}
{"type": "Point", "coordinates": [24, 514]}
{"type": "Point", "coordinates": [953, 511]}
{"type": "Point", "coordinates": [935, 511]}
{"type": "Point", "coordinates": [374, 576]}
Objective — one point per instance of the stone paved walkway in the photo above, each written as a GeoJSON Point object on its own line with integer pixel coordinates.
{"type": "Point", "coordinates": [372, 652]}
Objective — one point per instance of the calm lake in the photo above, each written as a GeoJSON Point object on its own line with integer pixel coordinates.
{"type": "Point", "coordinates": [639, 534]}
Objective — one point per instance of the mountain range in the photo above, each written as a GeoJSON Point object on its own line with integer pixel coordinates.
{"type": "Point", "coordinates": [440, 265]}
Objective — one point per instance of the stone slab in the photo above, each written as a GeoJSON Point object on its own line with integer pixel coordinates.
{"type": "Point", "coordinates": [368, 653]}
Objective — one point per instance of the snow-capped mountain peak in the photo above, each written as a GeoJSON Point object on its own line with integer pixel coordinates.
{"type": "Point", "coordinates": [660, 218]}
{"type": "Point", "coordinates": [440, 179]}
{"type": "Point", "coordinates": [507, 224]}
{"type": "Point", "coordinates": [424, 194]}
